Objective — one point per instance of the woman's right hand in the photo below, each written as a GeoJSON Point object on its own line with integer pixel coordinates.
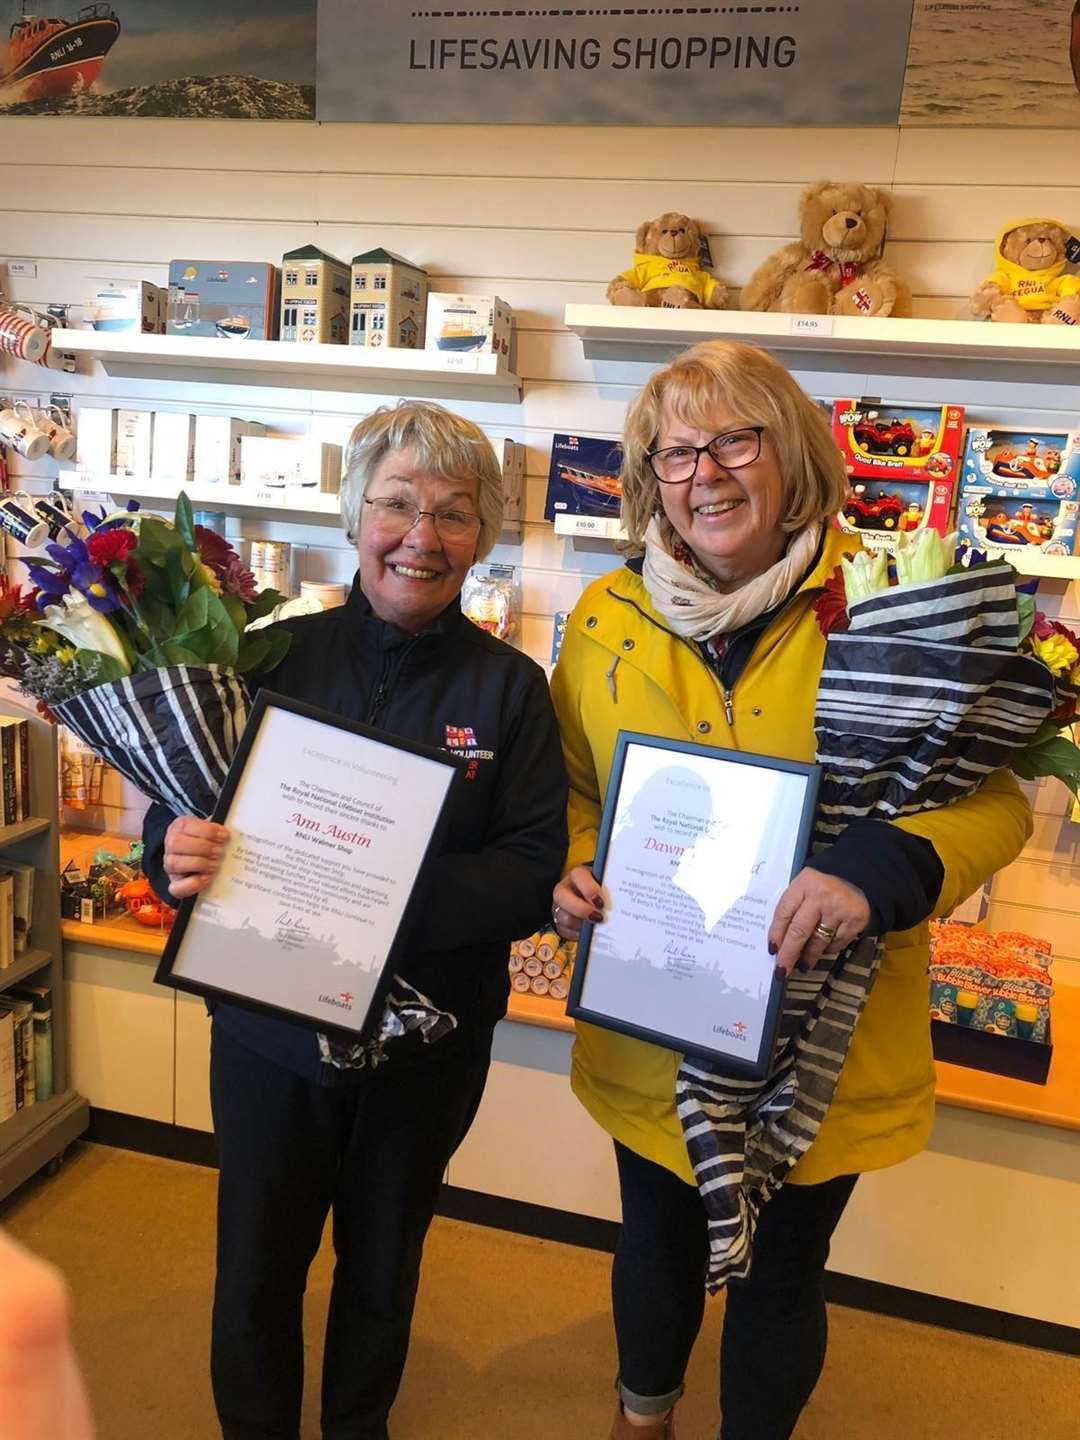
{"type": "Point", "coordinates": [577, 897]}
{"type": "Point", "coordinates": [194, 850]}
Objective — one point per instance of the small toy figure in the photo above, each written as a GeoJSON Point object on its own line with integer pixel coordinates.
{"type": "Point", "coordinates": [667, 269]}
{"type": "Point", "coordinates": [836, 267]}
{"type": "Point", "coordinates": [1029, 285]}
{"type": "Point", "coordinates": [911, 518]}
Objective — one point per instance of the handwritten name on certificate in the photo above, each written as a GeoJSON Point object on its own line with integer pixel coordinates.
{"type": "Point", "coordinates": [329, 830]}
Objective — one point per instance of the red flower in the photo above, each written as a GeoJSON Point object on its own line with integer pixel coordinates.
{"type": "Point", "coordinates": [1065, 713]}
{"type": "Point", "coordinates": [831, 605]}
{"type": "Point", "coordinates": [111, 545]}
{"type": "Point", "coordinates": [134, 579]}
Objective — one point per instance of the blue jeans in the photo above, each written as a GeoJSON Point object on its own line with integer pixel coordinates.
{"type": "Point", "coordinates": [775, 1325]}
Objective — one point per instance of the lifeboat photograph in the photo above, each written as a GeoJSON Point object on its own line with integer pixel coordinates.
{"type": "Point", "coordinates": [48, 57]}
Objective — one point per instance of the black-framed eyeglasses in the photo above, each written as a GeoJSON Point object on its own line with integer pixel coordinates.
{"type": "Point", "coordinates": [399, 516]}
{"type": "Point", "coordinates": [676, 464]}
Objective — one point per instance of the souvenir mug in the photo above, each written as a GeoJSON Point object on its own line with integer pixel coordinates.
{"type": "Point", "coordinates": [55, 514]}
{"type": "Point", "coordinates": [19, 431]}
{"type": "Point", "coordinates": [21, 523]}
{"type": "Point", "coordinates": [21, 335]}
{"type": "Point", "coordinates": [61, 439]}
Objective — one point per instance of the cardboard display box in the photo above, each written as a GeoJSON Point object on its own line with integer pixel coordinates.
{"type": "Point", "coordinates": [217, 448]}
{"type": "Point", "coordinates": [274, 470]}
{"type": "Point", "coordinates": [1020, 494]}
{"type": "Point", "coordinates": [124, 305]}
{"type": "Point", "coordinates": [468, 324]}
{"type": "Point", "coordinates": [903, 462]}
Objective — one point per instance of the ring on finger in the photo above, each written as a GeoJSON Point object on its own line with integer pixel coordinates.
{"type": "Point", "coordinates": [825, 932]}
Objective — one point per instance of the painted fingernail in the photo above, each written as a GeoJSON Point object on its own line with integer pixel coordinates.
{"type": "Point", "coordinates": [772, 948]}
{"type": "Point", "coordinates": [780, 973]}
{"type": "Point", "coordinates": [597, 900]}
{"type": "Point", "coordinates": [597, 917]}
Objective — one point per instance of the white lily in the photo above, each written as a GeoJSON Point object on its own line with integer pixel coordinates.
{"type": "Point", "coordinates": [86, 628]}
{"type": "Point", "coordinates": [865, 575]}
{"type": "Point", "coordinates": [923, 557]}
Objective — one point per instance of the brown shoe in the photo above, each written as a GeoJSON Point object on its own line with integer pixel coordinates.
{"type": "Point", "coordinates": [623, 1430]}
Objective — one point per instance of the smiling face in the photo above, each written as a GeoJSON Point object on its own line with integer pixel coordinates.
{"type": "Point", "coordinates": [410, 579]}
{"type": "Point", "coordinates": [731, 519]}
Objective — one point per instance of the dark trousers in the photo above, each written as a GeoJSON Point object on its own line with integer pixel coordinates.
{"type": "Point", "coordinates": [290, 1152]}
{"type": "Point", "coordinates": [775, 1326]}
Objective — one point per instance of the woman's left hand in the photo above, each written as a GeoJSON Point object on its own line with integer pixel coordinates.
{"type": "Point", "coordinates": [817, 915]}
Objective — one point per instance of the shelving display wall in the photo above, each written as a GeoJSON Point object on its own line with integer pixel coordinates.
{"type": "Point", "coordinates": [543, 217]}
{"type": "Point", "coordinates": [38, 1134]}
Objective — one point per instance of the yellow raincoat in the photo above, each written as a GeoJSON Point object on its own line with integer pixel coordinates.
{"type": "Point", "coordinates": [621, 668]}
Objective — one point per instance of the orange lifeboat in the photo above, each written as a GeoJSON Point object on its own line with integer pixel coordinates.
{"type": "Point", "coordinates": [48, 58]}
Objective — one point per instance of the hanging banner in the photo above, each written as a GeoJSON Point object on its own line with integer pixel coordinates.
{"type": "Point", "coordinates": [816, 63]}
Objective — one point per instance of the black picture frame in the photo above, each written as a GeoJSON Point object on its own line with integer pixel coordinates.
{"type": "Point", "coordinates": [265, 701]}
{"type": "Point", "coordinates": [753, 1067]}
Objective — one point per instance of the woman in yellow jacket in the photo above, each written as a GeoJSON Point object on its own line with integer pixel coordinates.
{"type": "Point", "coordinates": [729, 482]}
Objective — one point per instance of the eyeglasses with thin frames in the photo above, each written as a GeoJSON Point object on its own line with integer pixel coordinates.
{"type": "Point", "coordinates": [399, 516]}
{"type": "Point", "coordinates": [731, 450]}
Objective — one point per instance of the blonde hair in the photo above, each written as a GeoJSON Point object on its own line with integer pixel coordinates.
{"type": "Point", "coordinates": [445, 443]}
{"type": "Point", "coordinates": [760, 392]}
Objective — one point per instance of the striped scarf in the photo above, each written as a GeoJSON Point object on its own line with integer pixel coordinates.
{"type": "Point", "coordinates": [923, 698]}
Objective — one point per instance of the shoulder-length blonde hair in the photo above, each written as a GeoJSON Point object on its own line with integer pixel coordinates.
{"type": "Point", "coordinates": [759, 391]}
{"type": "Point", "coordinates": [447, 444]}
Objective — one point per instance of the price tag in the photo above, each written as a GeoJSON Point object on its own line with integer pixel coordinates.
{"type": "Point", "coordinates": [812, 324]}
{"type": "Point", "coordinates": [22, 269]}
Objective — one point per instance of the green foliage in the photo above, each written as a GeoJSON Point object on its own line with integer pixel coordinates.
{"type": "Point", "coordinates": [1057, 757]}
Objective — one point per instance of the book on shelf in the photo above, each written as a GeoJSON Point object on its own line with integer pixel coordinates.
{"type": "Point", "coordinates": [40, 999]}
{"type": "Point", "coordinates": [7, 1063]}
{"type": "Point", "coordinates": [24, 1051]}
{"type": "Point", "coordinates": [23, 898]}
{"type": "Point", "coordinates": [14, 768]}
{"type": "Point", "coordinates": [7, 919]}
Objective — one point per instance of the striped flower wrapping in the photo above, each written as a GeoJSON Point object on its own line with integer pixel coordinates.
{"type": "Point", "coordinates": [172, 732]}
{"type": "Point", "coordinates": [918, 702]}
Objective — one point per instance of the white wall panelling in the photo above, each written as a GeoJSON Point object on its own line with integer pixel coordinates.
{"type": "Point", "coordinates": [543, 217]}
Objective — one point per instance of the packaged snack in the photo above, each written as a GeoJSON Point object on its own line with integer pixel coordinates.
{"type": "Point", "coordinates": [903, 463]}
{"type": "Point", "coordinates": [491, 599]}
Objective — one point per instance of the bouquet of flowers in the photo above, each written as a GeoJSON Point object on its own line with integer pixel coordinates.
{"type": "Point", "coordinates": [929, 684]}
{"type": "Point", "coordinates": [137, 635]}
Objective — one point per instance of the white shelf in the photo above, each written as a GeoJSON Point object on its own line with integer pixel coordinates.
{"type": "Point", "coordinates": [294, 501]}
{"type": "Point", "coordinates": [282, 363]}
{"type": "Point", "coordinates": [1045, 354]}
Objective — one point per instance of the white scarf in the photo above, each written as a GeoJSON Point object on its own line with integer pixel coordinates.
{"type": "Point", "coordinates": [695, 609]}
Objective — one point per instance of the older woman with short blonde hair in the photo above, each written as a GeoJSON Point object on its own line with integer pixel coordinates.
{"type": "Point", "coordinates": [306, 1125]}
{"type": "Point", "coordinates": [730, 482]}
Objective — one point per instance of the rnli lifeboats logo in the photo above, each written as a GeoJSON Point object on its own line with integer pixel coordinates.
{"type": "Point", "coordinates": [461, 741]}
{"type": "Point", "coordinates": [459, 737]}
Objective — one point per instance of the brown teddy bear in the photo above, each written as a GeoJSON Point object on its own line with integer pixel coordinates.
{"type": "Point", "coordinates": [667, 268]}
{"type": "Point", "coordinates": [836, 268]}
{"type": "Point", "coordinates": [1028, 285]}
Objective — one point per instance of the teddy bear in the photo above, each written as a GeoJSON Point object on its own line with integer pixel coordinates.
{"type": "Point", "coordinates": [1029, 285]}
{"type": "Point", "coordinates": [836, 268]}
{"type": "Point", "coordinates": [667, 268]}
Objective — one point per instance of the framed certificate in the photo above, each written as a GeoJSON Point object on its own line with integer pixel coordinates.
{"type": "Point", "coordinates": [331, 826]}
{"type": "Point", "coordinates": [696, 847]}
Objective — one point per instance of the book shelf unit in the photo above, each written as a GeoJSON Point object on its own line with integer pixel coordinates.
{"type": "Point", "coordinates": [38, 1135]}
